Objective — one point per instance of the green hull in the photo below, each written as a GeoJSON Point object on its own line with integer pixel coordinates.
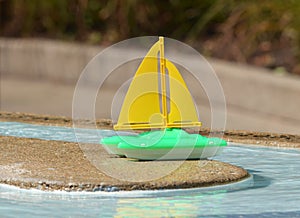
{"type": "Point", "coordinates": [168, 144]}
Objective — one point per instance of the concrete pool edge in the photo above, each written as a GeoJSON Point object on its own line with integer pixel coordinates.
{"type": "Point", "coordinates": [242, 184]}
{"type": "Point", "coordinates": [56, 165]}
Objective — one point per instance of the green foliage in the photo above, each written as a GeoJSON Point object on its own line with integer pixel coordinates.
{"type": "Point", "coordinates": [233, 29]}
{"type": "Point", "coordinates": [114, 19]}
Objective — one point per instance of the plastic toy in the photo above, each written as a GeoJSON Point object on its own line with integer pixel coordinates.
{"type": "Point", "coordinates": [159, 99]}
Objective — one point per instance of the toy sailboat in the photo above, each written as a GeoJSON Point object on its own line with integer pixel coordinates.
{"type": "Point", "coordinates": [158, 98]}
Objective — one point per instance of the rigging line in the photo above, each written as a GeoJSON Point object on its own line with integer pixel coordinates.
{"type": "Point", "coordinates": [163, 79]}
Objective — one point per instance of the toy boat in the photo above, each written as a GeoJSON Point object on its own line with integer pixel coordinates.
{"type": "Point", "coordinates": [159, 99]}
{"type": "Point", "coordinates": [170, 144]}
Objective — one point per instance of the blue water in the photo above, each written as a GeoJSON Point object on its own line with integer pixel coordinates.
{"type": "Point", "coordinates": [55, 132]}
{"type": "Point", "coordinates": [274, 191]}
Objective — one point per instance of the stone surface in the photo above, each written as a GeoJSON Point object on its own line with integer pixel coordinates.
{"type": "Point", "coordinates": [57, 165]}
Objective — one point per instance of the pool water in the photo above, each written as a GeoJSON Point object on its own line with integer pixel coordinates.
{"type": "Point", "coordinates": [273, 192]}
{"type": "Point", "coordinates": [67, 134]}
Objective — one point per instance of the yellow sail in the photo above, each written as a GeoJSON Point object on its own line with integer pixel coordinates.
{"type": "Point", "coordinates": [141, 104]}
{"type": "Point", "coordinates": [147, 104]}
{"type": "Point", "coordinates": [182, 112]}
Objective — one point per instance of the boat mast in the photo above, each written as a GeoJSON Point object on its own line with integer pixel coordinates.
{"type": "Point", "coordinates": [163, 80]}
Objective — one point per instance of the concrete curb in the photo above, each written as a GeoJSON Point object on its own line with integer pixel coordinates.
{"type": "Point", "coordinates": [256, 99]}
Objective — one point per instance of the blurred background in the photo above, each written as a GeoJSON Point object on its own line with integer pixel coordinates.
{"type": "Point", "coordinates": [252, 45]}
